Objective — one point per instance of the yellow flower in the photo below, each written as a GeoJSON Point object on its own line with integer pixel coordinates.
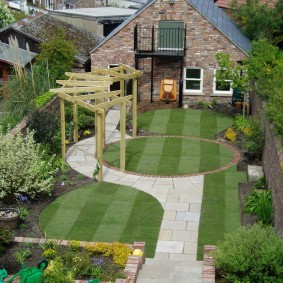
{"type": "Point", "coordinates": [87, 132]}
{"type": "Point", "coordinates": [66, 141]}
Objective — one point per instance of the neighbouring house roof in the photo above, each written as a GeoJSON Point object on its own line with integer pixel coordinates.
{"type": "Point", "coordinates": [225, 4]}
{"type": "Point", "coordinates": [14, 55]}
{"type": "Point", "coordinates": [41, 27]}
{"type": "Point", "coordinates": [219, 19]}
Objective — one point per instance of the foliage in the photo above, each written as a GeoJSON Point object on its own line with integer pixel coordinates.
{"type": "Point", "coordinates": [82, 262]}
{"type": "Point", "coordinates": [43, 99]}
{"type": "Point", "coordinates": [240, 123]}
{"type": "Point", "coordinates": [254, 140]}
{"type": "Point", "coordinates": [204, 104]}
{"type": "Point", "coordinates": [22, 168]}
{"type": "Point", "coordinates": [227, 71]}
{"type": "Point", "coordinates": [96, 170]}
{"type": "Point", "coordinates": [260, 184]}
{"type": "Point", "coordinates": [59, 54]}
{"type": "Point", "coordinates": [250, 254]}
{"type": "Point", "coordinates": [45, 124]}
{"type": "Point", "coordinates": [22, 255]}
{"type": "Point", "coordinates": [6, 236]}
{"type": "Point", "coordinates": [56, 272]}
{"type": "Point", "coordinates": [257, 20]}
{"type": "Point", "coordinates": [6, 16]}
{"type": "Point", "coordinates": [259, 202]}
{"type": "Point", "coordinates": [18, 15]}
{"type": "Point", "coordinates": [22, 207]}
{"type": "Point", "coordinates": [230, 135]}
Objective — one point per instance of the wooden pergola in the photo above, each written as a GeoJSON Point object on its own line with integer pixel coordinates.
{"type": "Point", "coordinates": [92, 91]}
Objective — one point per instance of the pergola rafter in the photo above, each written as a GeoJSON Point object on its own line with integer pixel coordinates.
{"type": "Point", "coordinates": [93, 87]}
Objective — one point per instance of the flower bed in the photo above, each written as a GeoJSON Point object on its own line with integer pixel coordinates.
{"type": "Point", "coordinates": [132, 266]}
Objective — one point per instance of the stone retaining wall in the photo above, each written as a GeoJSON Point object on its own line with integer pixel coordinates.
{"type": "Point", "coordinates": [132, 268]}
{"type": "Point", "coordinates": [272, 161]}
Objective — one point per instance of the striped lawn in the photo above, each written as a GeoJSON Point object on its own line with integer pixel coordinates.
{"type": "Point", "coordinates": [187, 122]}
{"type": "Point", "coordinates": [220, 211]}
{"type": "Point", "coordinates": [167, 156]}
{"type": "Point", "coordinates": [104, 212]}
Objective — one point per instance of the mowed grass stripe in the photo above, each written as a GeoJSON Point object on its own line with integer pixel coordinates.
{"type": "Point", "coordinates": [170, 157]}
{"type": "Point", "coordinates": [109, 211]}
{"type": "Point", "coordinates": [57, 220]}
{"type": "Point", "coordinates": [144, 226]}
{"type": "Point", "coordinates": [115, 218]}
{"type": "Point", "coordinates": [148, 158]}
{"type": "Point", "coordinates": [175, 123]}
{"type": "Point", "coordinates": [192, 123]}
{"type": "Point", "coordinates": [159, 121]}
{"type": "Point", "coordinates": [220, 211]}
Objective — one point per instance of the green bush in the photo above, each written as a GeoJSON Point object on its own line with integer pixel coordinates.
{"type": "Point", "coordinates": [253, 142]}
{"type": "Point", "coordinates": [43, 99]}
{"type": "Point", "coordinates": [240, 123]}
{"type": "Point", "coordinates": [259, 202]}
{"type": "Point", "coordinates": [22, 168]}
{"type": "Point", "coordinates": [6, 236]}
{"type": "Point", "coordinates": [45, 124]}
{"type": "Point", "coordinates": [250, 254]}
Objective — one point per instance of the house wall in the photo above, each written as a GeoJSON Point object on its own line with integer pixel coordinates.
{"type": "Point", "coordinates": [202, 42]}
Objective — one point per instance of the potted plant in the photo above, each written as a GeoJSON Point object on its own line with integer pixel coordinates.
{"type": "Point", "coordinates": [9, 217]}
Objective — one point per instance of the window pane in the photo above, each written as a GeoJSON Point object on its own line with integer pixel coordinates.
{"type": "Point", "coordinates": [191, 84]}
{"type": "Point", "coordinates": [193, 73]}
{"type": "Point", "coordinates": [223, 86]}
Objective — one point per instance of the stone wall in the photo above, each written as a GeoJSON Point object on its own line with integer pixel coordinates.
{"type": "Point", "coordinates": [272, 161]}
{"type": "Point", "coordinates": [203, 40]}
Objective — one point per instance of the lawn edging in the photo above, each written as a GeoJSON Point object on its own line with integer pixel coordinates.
{"type": "Point", "coordinates": [208, 268]}
{"type": "Point", "coordinates": [132, 268]}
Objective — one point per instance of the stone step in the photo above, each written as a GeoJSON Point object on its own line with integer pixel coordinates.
{"type": "Point", "coordinates": [177, 271]}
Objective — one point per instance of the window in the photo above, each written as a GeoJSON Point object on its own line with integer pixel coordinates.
{"type": "Point", "coordinates": [193, 81]}
{"type": "Point", "coordinates": [221, 88]}
{"type": "Point", "coordinates": [171, 35]}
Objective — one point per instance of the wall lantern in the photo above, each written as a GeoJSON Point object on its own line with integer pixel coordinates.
{"type": "Point", "coordinates": [172, 1]}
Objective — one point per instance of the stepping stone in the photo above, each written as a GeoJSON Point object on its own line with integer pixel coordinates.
{"type": "Point", "coordinates": [254, 173]}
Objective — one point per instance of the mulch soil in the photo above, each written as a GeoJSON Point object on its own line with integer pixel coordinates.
{"type": "Point", "coordinates": [70, 180]}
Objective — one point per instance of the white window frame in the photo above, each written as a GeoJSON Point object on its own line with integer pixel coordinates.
{"type": "Point", "coordinates": [221, 92]}
{"type": "Point", "coordinates": [193, 91]}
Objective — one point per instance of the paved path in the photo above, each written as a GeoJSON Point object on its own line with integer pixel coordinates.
{"type": "Point", "coordinates": [175, 256]}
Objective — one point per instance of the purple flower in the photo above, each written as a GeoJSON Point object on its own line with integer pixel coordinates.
{"type": "Point", "coordinates": [23, 199]}
{"type": "Point", "coordinates": [98, 261]}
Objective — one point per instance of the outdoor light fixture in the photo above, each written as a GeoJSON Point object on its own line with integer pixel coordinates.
{"type": "Point", "coordinates": [172, 1]}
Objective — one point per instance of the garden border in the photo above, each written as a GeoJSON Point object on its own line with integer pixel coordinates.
{"type": "Point", "coordinates": [132, 268]}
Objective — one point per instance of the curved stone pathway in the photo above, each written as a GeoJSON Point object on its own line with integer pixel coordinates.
{"type": "Point", "coordinates": [181, 197]}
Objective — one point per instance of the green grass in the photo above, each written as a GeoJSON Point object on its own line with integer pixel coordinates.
{"type": "Point", "coordinates": [104, 212]}
{"type": "Point", "coordinates": [220, 211]}
{"type": "Point", "coordinates": [167, 156]}
{"type": "Point", "coordinates": [197, 123]}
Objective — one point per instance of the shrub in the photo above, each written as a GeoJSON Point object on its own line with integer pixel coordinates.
{"type": "Point", "coordinates": [6, 236]}
{"type": "Point", "coordinates": [55, 272]}
{"type": "Point", "coordinates": [45, 125]}
{"type": "Point", "coordinates": [250, 254]}
{"type": "Point", "coordinates": [240, 123]}
{"type": "Point", "coordinates": [253, 142]}
{"type": "Point", "coordinates": [43, 99]}
{"type": "Point", "coordinates": [22, 168]}
{"type": "Point", "coordinates": [230, 135]}
{"type": "Point", "coordinates": [259, 202]}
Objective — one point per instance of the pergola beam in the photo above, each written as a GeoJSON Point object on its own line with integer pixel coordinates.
{"type": "Point", "coordinates": [90, 77]}
{"type": "Point", "coordinates": [98, 95]}
{"type": "Point", "coordinates": [88, 83]}
{"type": "Point", "coordinates": [79, 89]}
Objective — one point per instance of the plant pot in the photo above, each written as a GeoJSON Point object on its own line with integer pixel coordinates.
{"type": "Point", "coordinates": [238, 105]}
{"type": "Point", "coordinates": [9, 218]}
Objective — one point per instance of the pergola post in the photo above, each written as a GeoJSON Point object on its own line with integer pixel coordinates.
{"type": "Point", "coordinates": [122, 137]}
{"type": "Point", "coordinates": [122, 85]}
{"type": "Point", "coordinates": [135, 106]}
{"type": "Point", "coordinates": [76, 124]}
{"type": "Point", "coordinates": [99, 147]}
{"type": "Point", "coordinates": [63, 131]}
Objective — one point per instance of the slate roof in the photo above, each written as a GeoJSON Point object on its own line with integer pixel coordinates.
{"type": "Point", "coordinates": [225, 4]}
{"type": "Point", "coordinates": [212, 13]}
{"type": "Point", "coordinates": [14, 55]}
{"type": "Point", "coordinates": [220, 20]}
{"type": "Point", "coordinates": [41, 28]}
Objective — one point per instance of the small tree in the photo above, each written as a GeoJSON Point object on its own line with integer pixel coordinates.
{"type": "Point", "coordinates": [59, 54]}
{"type": "Point", "coordinates": [6, 16]}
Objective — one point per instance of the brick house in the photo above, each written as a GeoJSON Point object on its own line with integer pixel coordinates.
{"type": "Point", "coordinates": [174, 39]}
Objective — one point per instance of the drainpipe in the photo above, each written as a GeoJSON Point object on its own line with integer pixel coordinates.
{"type": "Point", "coordinates": [180, 104]}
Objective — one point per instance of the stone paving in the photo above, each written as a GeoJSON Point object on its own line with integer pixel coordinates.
{"type": "Point", "coordinates": [181, 198]}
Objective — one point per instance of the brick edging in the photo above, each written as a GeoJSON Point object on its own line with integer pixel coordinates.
{"type": "Point", "coordinates": [132, 268]}
{"type": "Point", "coordinates": [208, 269]}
